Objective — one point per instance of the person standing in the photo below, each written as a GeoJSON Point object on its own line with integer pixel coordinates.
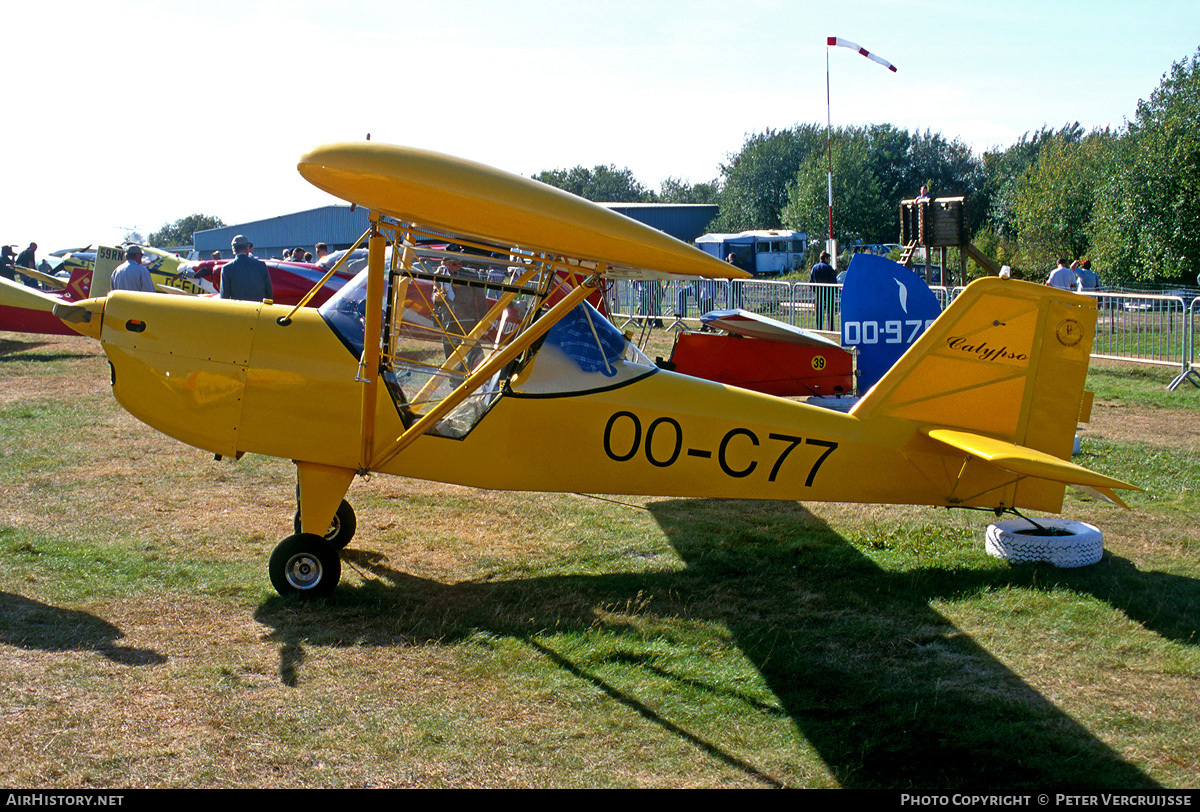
{"type": "Point", "coordinates": [131, 274]}
{"type": "Point", "coordinates": [458, 309]}
{"type": "Point", "coordinates": [649, 295]}
{"type": "Point", "coordinates": [26, 258]}
{"type": "Point", "coordinates": [1062, 277]}
{"type": "Point", "coordinates": [1088, 279]}
{"type": "Point", "coordinates": [6, 262]}
{"type": "Point", "coordinates": [823, 274]}
{"type": "Point", "coordinates": [733, 292]}
{"type": "Point", "coordinates": [245, 278]}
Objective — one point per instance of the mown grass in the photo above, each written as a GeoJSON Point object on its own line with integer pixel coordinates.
{"type": "Point", "coordinates": [500, 639]}
{"type": "Point", "coordinates": [1140, 384]}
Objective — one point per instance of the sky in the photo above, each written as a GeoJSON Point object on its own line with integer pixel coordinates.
{"type": "Point", "coordinates": [127, 115]}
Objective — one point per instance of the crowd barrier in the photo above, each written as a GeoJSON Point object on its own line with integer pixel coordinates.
{"type": "Point", "coordinates": [1147, 328]}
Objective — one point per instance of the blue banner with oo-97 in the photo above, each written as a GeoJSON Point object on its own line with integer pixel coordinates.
{"type": "Point", "coordinates": [885, 308]}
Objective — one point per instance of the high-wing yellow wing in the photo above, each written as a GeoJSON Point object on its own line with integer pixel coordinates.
{"type": "Point", "coordinates": [464, 197]}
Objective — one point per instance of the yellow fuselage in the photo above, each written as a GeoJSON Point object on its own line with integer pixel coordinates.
{"type": "Point", "coordinates": [226, 377]}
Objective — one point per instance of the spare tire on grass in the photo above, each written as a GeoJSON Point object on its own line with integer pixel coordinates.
{"type": "Point", "coordinates": [1064, 543]}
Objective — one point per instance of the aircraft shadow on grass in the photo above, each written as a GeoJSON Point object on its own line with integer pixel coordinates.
{"type": "Point", "coordinates": [12, 350]}
{"type": "Point", "coordinates": [29, 624]}
{"type": "Point", "coordinates": [1166, 604]}
{"type": "Point", "coordinates": [844, 646]}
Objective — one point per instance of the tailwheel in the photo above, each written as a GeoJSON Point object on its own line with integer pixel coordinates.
{"type": "Point", "coordinates": [306, 566]}
{"type": "Point", "coordinates": [341, 528]}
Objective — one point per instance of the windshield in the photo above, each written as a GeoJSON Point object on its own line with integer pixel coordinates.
{"type": "Point", "coordinates": [346, 310]}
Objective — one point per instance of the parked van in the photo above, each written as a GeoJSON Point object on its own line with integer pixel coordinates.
{"type": "Point", "coordinates": [762, 253]}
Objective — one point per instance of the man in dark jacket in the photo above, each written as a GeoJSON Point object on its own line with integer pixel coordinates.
{"type": "Point", "coordinates": [6, 261]}
{"type": "Point", "coordinates": [245, 278]}
{"type": "Point", "coordinates": [26, 258]}
{"type": "Point", "coordinates": [824, 273]}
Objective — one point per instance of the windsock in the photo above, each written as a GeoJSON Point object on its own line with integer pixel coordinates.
{"type": "Point", "coordinates": [845, 43]}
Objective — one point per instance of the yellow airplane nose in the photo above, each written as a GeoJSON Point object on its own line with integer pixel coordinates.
{"type": "Point", "coordinates": [179, 364]}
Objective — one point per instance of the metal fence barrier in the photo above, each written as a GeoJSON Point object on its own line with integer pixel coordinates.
{"type": "Point", "coordinates": [1140, 327]}
{"type": "Point", "coordinates": [1190, 361]}
{"type": "Point", "coordinates": [1147, 328]}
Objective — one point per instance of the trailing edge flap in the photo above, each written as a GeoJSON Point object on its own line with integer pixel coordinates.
{"type": "Point", "coordinates": [1025, 461]}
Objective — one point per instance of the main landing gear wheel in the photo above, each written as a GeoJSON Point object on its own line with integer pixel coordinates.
{"type": "Point", "coordinates": [1063, 543]}
{"type": "Point", "coordinates": [306, 566]}
{"type": "Point", "coordinates": [341, 529]}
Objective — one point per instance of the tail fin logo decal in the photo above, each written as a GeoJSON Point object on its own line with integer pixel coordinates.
{"type": "Point", "coordinates": [1068, 332]}
{"type": "Point", "coordinates": [985, 353]}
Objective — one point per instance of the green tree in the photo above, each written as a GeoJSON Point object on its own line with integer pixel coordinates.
{"type": "Point", "coordinates": [1145, 222]}
{"type": "Point", "coordinates": [1003, 170]}
{"type": "Point", "coordinates": [888, 152]}
{"type": "Point", "coordinates": [1055, 197]}
{"type": "Point", "coordinates": [949, 168]}
{"type": "Point", "coordinates": [674, 190]}
{"type": "Point", "coordinates": [180, 232]}
{"type": "Point", "coordinates": [603, 184]}
{"type": "Point", "coordinates": [859, 207]}
{"type": "Point", "coordinates": [754, 184]}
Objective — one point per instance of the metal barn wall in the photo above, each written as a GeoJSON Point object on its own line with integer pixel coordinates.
{"type": "Point", "coordinates": [337, 226]}
{"type": "Point", "coordinates": [683, 221]}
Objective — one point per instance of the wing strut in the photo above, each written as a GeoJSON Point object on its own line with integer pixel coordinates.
{"type": "Point", "coordinates": [372, 329]}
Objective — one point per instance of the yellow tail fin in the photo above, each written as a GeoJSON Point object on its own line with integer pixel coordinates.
{"type": "Point", "coordinates": [1007, 359]}
{"type": "Point", "coordinates": [999, 377]}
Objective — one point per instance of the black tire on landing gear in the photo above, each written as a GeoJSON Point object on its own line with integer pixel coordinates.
{"type": "Point", "coordinates": [341, 529]}
{"type": "Point", "coordinates": [306, 566]}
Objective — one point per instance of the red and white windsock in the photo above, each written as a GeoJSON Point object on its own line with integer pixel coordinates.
{"type": "Point", "coordinates": [854, 46]}
{"type": "Point", "coordinates": [845, 43]}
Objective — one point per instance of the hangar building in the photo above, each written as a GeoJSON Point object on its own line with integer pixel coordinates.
{"type": "Point", "coordinates": [340, 225]}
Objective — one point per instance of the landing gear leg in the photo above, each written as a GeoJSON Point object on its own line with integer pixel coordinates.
{"type": "Point", "coordinates": [320, 492]}
{"type": "Point", "coordinates": [341, 529]}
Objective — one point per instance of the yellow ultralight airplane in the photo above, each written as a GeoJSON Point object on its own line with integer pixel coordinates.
{"type": "Point", "coordinates": [498, 377]}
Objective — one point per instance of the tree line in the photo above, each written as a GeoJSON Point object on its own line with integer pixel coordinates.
{"type": "Point", "coordinates": [1128, 199]}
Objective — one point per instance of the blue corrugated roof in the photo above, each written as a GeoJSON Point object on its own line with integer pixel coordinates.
{"type": "Point", "coordinates": [338, 226]}
{"type": "Point", "coordinates": [683, 221]}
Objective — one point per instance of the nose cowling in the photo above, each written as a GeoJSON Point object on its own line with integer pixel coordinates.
{"type": "Point", "coordinates": [179, 363]}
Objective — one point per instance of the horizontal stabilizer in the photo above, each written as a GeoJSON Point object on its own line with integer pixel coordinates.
{"type": "Point", "coordinates": [754, 325]}
{"type": "Point", "coordinates": [1025, 461]}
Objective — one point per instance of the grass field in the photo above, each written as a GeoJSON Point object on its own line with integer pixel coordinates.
{"type": "Point", "coordinates": [493, 639]}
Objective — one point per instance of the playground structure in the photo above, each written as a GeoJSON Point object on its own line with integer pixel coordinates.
{"type": "Point", "coordinates": [939, 224]}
